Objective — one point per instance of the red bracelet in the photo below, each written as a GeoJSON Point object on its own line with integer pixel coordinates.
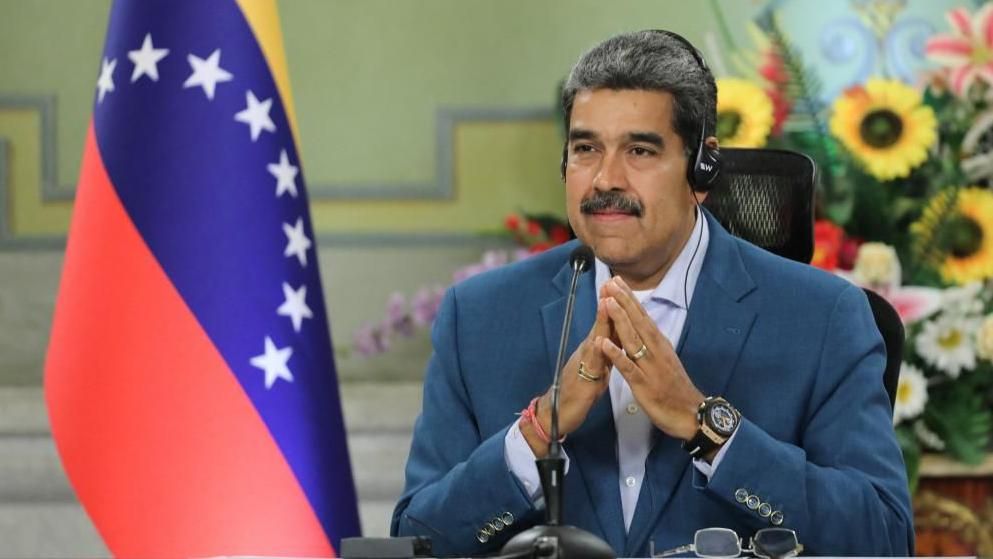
{"type": "Point", "coordinates": [530, 415]}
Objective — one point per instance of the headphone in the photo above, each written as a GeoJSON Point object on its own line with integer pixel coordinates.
{"type": "Point", "coordinates": [706, 161]}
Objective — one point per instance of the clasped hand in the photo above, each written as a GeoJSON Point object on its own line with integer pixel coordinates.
{"type": "Point", "coordinates": [657, 379]}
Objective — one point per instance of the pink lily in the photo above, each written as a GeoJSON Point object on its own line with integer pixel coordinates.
{"type": "Point", "coordinates": [968, 51]}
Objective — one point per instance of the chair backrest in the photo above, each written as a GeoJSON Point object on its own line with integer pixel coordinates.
{"type": "Point", "coordinates": [766, 196]}
{"type": "Point", "coordinates": [891, 327]}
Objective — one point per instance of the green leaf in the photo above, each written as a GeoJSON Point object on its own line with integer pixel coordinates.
{"type": "Point", "coordinates": [923, 275]}
{"type": "Point", "coordinates": [905, 209]}
{"type": "Point", "coordinates": [911, 454]}
{"type": "Point", "coordinates": [803, 88]}
{"type": "Point", "coordinates": [957, 413]}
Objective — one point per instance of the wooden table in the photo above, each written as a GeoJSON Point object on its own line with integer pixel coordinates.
{"type": "Point", "coordinates": [953, 508]}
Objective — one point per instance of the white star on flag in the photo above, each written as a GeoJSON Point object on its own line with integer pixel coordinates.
{"type": "Point", "coordinates": [297, 242]}
{"type": "Point", "coordinates": [285, 175]}
{"type": "Point", "coordinates": [207, 73]}
{"type": "Point", "coordinates": [106, 81]}
{"type": "Point", "coordinates": [295, 305]}
{"type": "Point", "coordinates": [256, 115]}
{"type": "Point", "coordinates": [273, 362]}
{"type": "Point", "coordinates": [146, 60]}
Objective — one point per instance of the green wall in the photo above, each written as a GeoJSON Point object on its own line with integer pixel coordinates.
{"type": "Point", "coordinates": [416, 116]}
{"type": "Point", "coordinates": [369, 74]}
{"type": "Point", "coordinates": [373, 81]}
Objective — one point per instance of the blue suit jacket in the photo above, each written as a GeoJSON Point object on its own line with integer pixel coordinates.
{"type": "Point", "coordinates": [796, 350]}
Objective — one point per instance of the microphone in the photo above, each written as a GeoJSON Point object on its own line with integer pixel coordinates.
{"type": "Point", "coordinates": [553, 540]}
{"type": "Point", "coordinates": [580, 260]}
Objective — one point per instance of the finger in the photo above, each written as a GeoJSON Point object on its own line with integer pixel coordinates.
{"type": "Point", "coordinates": [628, 368]}
{"type": "Point", "coordinates": [643, 324]}
{"type": "Point", "coordinates": [606, 328]}
{"type": "Point", "coordinates": [620, 291]}
{"type": "Point", "coordinates": [631, 339]}
{"type": "Point", "coordinates": [599, 364]}
{"type": "Point", "coordinates": [602, 325]}
{"type": "Point", "coordinates": [588, 351]}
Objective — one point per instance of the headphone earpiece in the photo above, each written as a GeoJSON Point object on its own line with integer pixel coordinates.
{"type": "Point", "coordinates": [702, 173]}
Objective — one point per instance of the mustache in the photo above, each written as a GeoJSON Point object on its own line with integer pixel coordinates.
{"type": "Point", "coordinates": [603, 200]}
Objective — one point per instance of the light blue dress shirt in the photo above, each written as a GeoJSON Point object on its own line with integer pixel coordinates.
{"type": "Point", "coordinates": [667, 304]}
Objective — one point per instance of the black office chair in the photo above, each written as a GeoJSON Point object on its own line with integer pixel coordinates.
{"type": "Point", "coordinates": [891, 327]}
{"type": "Point", "coordinates": [766, 197]}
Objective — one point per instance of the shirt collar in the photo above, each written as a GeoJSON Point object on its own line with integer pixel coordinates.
{"type": "Point", "coordinates": [687, 265]}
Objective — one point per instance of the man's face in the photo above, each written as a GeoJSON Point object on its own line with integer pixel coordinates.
{"type": "Point", "coordinates": [626, 191]}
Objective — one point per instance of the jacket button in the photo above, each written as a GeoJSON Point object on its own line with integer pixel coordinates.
{"type": "Point", "coordinates": [507, 518]}
{"type": "Point", "coordinates": [765, 509]}
{"type": "Point", "coordinates": [753, 502]}
{"type": "Point", "coordinates": [498, 524]}
{"type": "Point", "coordinates": [482, 536]}
{"type": "Point", "coordinates": [777, 518]}
{"type": "Point", "coordinates": [741, 495]}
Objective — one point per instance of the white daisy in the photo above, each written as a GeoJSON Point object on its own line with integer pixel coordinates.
{"type": "Point", "coordinates": [911, 393]}
{"type": "Point", "coordinates": [963, 300]}
{"type": "Point", "coordinates": [948, 344]}
{"type": "Point", "coordinates": [984, 338]}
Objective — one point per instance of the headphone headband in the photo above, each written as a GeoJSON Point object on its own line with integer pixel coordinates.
{"type": "Point", "coordinates": [697, 55]}
{"type": "Point", "coordinates": [706, 162]}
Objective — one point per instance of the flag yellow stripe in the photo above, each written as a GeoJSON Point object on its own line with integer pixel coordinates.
{"type": "Point", "coordinates": [263, 18]}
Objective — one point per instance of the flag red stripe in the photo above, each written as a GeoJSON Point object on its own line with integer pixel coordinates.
{"type": "Point", "coordinates": [163, 447]}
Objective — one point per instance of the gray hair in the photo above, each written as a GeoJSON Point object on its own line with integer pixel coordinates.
{"type": "Point", "coordinates": [654, 61]}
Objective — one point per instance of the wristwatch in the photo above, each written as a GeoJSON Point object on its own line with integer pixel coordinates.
{"type": "Point", "coordinates": [717, 420]}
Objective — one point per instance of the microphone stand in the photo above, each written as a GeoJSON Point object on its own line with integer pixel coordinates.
{"type": "Point", "coordinates": [553, 539]}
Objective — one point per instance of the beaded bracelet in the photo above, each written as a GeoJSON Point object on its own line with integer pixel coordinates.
{"type": "Point", "coordinates": [530, 415]}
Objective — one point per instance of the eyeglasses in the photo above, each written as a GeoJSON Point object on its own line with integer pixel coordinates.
{"type": "Point", "coordinates": [723, 543]}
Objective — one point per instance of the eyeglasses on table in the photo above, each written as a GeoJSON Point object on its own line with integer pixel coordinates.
{"type": "Point", "coordinates": [724, 543]}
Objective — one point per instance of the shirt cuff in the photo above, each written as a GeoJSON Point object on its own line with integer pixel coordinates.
{"type": "Point", "coordinates": [520, 461]}
{"type": "Point", "coordinates": [702, 465]}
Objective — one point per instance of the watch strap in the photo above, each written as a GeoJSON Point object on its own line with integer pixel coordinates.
{"type": "Point", "coordinates": [700, 444]}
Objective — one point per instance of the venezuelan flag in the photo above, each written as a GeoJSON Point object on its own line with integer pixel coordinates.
{"type": "Point", "coordinates": [190, 380]}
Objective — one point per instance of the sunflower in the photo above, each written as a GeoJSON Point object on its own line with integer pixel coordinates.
{"type": "Point", "coordinates": [744, 114]}
{"type": "Point", "coordinates": [886, 126]}
{"type": "Point", "coordinates": [955, 234]}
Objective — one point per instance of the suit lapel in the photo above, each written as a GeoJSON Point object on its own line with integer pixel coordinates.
{"type": "Point", "coordinates": [591, 448]}
{"type": "Point", "coordinates": [716, 328]}
{"type": "Point", "coordinates": [584, 313]}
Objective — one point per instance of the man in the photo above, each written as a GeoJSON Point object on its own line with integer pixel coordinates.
{"type": "Point", "coordinates": [686, 341]}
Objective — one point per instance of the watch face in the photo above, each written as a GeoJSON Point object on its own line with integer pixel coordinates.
{"type": "Point", "coordinates": [723, 419]}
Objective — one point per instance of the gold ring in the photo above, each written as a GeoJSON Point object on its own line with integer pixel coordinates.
{"type": "Point", "coordinates": [642, 351]}
{"type": "Point", "coordinates": [585, 375]}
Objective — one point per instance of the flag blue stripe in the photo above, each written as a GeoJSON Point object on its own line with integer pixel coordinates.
{"type": "Point", "coordinates": [198, 190]}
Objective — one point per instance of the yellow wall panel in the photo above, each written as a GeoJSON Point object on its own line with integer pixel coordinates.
{"type": "Point", "coordinates": [27, 214]}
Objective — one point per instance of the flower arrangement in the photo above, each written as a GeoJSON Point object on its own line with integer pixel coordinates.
{"type": "Point", "coordinates": [904, 208]}
{"type": "Point", "coordinates": [533, 233]}
{"type": "Point", "coordinates": [537, 233]}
